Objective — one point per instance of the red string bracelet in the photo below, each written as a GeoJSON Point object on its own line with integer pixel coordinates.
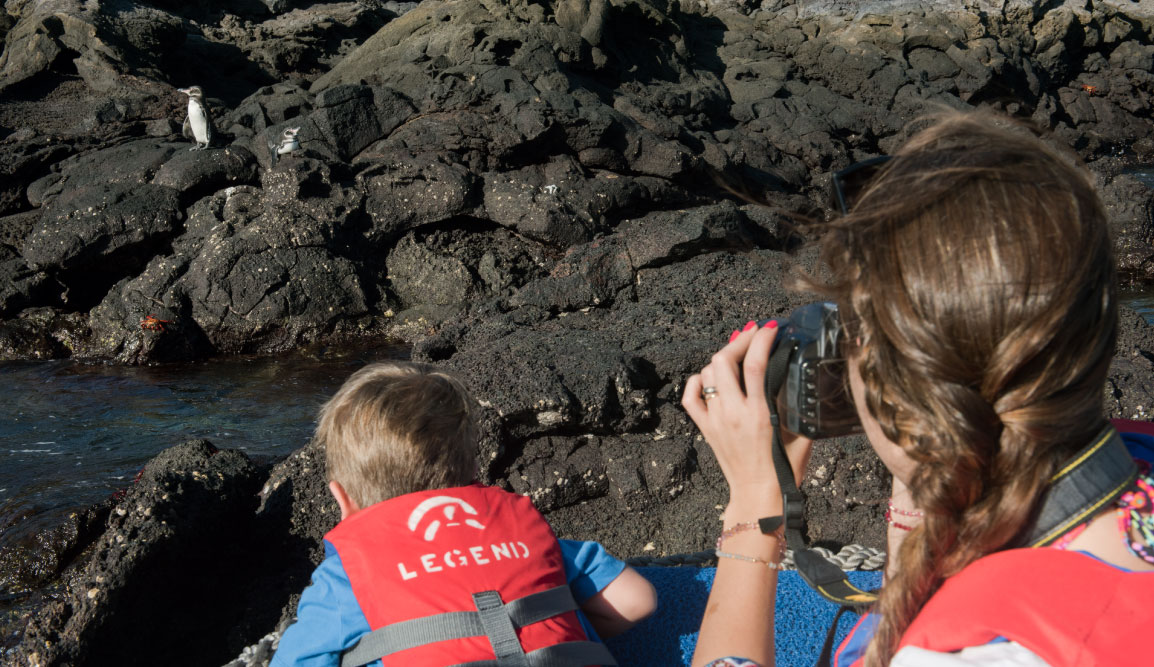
{"type": "Point", "coordinates": [895, 524]}
{"type": "Point", "coordinates": [891, 511]}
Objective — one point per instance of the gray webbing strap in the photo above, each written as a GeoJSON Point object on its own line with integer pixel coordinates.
{"type": "Point", "coordinates": [568, 654]}
{"type": "Point", "coordinates": [499, 628]}
{"type": "Point", "coordinates": [456, 625]}
{"type": "Point", "coordinates": [409, 634]}
{"type": "Point", "coordinates": [541, 605]}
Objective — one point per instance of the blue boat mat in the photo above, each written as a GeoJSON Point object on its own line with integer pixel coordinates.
{"type": "Point", "coordinates": [802, 618]}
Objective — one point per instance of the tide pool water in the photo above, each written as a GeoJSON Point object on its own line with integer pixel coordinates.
{"type": "Point", "coordinates": [1141, 301]}
{"type": "Point", "coordinates": [73, 433]}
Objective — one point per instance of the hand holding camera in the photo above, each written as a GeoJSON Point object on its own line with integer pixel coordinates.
{"type": "Point", "coordinates": [729, 404]}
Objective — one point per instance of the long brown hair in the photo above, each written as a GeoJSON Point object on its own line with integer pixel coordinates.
{"type": "Point", "coordinates": [976, 274]}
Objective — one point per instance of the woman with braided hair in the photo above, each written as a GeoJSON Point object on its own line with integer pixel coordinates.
{"type": "Point", "coordinates": [977, 291]}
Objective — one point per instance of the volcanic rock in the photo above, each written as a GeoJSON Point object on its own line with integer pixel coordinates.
{"type": "Point", "coordinates": [277, 256]}
{"type": "Point", "coordinates": [194, 174]}
{"type": "Point", "coordinates": [92, 236]}
{"type": "Point", "coordinates": [1130, 204]}
{"type": "Point", "coordinates": [180, 532]}
{"type": "Point", "coordinates": [529, 193]}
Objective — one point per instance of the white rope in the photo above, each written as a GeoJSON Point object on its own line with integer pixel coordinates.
{"type": "Point", "coordinates": [851, 557]}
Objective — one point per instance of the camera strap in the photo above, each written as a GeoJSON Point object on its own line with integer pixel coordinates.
{"type": "Point", "coordinates": [1093, 478]}
{"type": "Point", "coordinates": [829, 580]}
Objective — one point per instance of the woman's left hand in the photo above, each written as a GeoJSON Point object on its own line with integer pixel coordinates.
{"type": "Point", "coordinates": [734, 418]}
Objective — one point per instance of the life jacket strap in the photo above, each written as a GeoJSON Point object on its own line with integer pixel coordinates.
{"type": "Point", "coordinates": [500, 629]}
{"type": "Point", "coordinates": [565, 654]}
{"type": "Point", "coordinates": [494, 619]}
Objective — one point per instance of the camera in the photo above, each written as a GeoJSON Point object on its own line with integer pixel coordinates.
{"type": "Point", "coordinates": [813, 398]}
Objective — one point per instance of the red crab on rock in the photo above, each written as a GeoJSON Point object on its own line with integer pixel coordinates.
{"type": "Point", "coordinates": [154, 323]}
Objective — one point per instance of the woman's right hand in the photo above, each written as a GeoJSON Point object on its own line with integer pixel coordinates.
{"type": "Point", "coordinates": [735, 421]}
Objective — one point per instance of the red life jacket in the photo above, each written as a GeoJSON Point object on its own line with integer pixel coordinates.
{"type": "Point", "coordinates": [1065, 606]}
{"type": "Point", "coordinates": [427, 553]}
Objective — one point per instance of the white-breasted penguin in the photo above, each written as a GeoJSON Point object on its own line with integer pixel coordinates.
{"type": "Point", "coordinates": [198, 124]}
{"type": "Point", "coordinates": [286, 143]}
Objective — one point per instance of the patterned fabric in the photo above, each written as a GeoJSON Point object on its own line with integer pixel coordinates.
{"type": "Point", "coordinates": [733, 662]}
{"type": "Point", "coordinates": [1135, 512]}
{"type": "Point", "coordinates": [1136, 515]}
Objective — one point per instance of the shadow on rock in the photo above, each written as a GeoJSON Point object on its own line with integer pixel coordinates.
{"type": "Point", "coordinates": [182, 545]}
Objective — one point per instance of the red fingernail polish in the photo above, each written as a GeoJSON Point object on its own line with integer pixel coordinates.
{"type": "Point", "coordinates": [772, 324]}
{"type": "Point", "coordinates": [734, 335]}
{"type": "Point", "coordinates": [750, 325]}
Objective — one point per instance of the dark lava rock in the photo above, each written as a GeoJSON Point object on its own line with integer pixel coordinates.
{"type": "Point", "coordinates": [456, 265]}
{"type": "Point", "coordinates": [28, 561]}
{"type": "Point", "coordinates": [300, 42]}
{"type": "Point", "coordinates": [350, 118]}
{"type": "Point", "coordinates": [404, 191]}
{"type": "Point", "coordinates": [177, 543]}
{"type": "Point", "coordinates": [557, 471]}
{"type": "Point", "coordinates": [1130, 206]}
{"type": "Point", "coordinates": [42, 333]}
{"type": "Point", "coordinates": [588, 275]}
{"type": "Point", "coordinates": [543, 202]}
{"type": "Point", "coordinates": [846, 488]}
{"type": "Point", "coordinates": [132, 162]}
{"type": "Point", "coordinates": [419, 275]}
{"type": "Point", "coordinates": [91, 236]}
{"type": "Point", "coordinates": [537, 382]}
{"type": "Point", "coordinates": [20, 285]}
{"type": "Point", "coordinates": [22, 162]}
{"type": "Point", "coordinates": [81, 37]}
{"type": "Point", "coordinates": [260, 270]}
{"type": "Point", "coordinates": [593, 274]}
{"type": "Point", "coordinates": [270, 105]}
{"type": "Point", "coordinates": [197, 173]}
{"type": "Point", "coordinates": [1129, 392]}
{"type": "Point", "coordinates": [562, 203]}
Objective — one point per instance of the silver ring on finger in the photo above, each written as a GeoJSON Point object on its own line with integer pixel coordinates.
{"type": "Point", "coordinates": [708, 392]}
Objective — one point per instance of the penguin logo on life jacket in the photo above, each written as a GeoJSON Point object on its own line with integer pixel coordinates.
{"type": "Point", "coordinates": [449, 507]}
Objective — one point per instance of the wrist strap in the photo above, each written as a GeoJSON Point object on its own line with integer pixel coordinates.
{"type": "Point", "coordinates": [823, 576]}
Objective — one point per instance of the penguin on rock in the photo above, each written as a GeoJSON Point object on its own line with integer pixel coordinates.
{"type": "Point", "coordinates": [286, 143]}
{"type": "Point", "coordinates": [198, 124]}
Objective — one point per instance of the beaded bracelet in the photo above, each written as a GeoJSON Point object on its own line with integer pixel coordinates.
{"type": "Point", "coordinates": [901, 512]}
{"type": "Point", "coordinates": [749, 559]}
{"type": "Point", "coordinates": [749, 525]}
{"type": "Point", "coordinates": [735, 529]}
{"type": "Point", "coordinates": [891, 511]}
{"type": "Point", "coordinates": [895, 524]}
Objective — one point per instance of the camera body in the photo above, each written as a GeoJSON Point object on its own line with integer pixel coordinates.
{"type": "Point", "coordinates": [814, 398]}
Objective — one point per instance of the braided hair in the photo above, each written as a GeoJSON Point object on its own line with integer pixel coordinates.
{"type": "Point", "coordinates": [975, 274]}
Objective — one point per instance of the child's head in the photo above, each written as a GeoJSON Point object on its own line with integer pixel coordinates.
{"type": "Point", "coordinates": [395, 428]}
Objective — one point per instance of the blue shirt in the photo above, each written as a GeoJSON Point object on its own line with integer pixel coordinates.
{"type": "Point", "coordinates": [329, 620]}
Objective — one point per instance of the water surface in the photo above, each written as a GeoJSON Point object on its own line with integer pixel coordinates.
{"type": "Point", "coordinates": [72, 433]}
